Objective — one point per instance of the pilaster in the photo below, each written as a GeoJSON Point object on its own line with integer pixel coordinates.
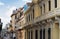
{"type": "Point", "coordinates": [42, 32]}
{"type": "Point", "coordinates": [58, 19]}
{"type": "Point", "coordinates": [46, 33]}
{"type": "Point", "coordinates": [59, 29]}
{"type": "Point", "coordinates": [33, 34]}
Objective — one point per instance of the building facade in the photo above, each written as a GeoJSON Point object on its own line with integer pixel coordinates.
{"type": "Point", "coordinates": [19, 22]}
{"type": "Point", "coordinates": [42, 20]}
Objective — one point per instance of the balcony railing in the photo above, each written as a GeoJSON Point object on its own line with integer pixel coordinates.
{"type": "Point", "coordinates": [48, 15]}
{"type": "Point", "coordinates": [20, 27]}
{"type": "Point", "coordinates": [53, 13]}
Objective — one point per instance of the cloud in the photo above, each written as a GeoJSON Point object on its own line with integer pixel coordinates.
{"type": "Point", "coordinates": [6, 18]}
{"type": "Point", "coordinates": [27, 1]}
{"type": "Point", "coordinates": [10, 10]}
{"type": "Point", "coordinates": [1, 3]}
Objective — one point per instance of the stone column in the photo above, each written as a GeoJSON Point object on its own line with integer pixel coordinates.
{"type": "Point", "coordinates": [51, 26]}
{"type": "Point", "coordinates": [38, 34]}
{"type": "Point", "coordinates": [26, 34]}
{"type": "Point", "coordinates": [30, 34]}
{"type": "Point", "coordinates": [59, 29]}
{"type": "Point", "coordinates": [42, 32]}
{"type": "Point", "coordinates": [46, 33]}
{"type": "Point", "coordinates": [33, 34]}
{"type": "Point", "coordinates": [58, 19]}
{"type": "Point", "coordinates": [55, 31]}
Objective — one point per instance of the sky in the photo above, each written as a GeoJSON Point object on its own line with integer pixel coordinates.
{"type": "Point", "coordinates": [7, 7]}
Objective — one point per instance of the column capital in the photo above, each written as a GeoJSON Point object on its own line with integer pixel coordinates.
{"type": "Point", "coordinates": [57, 18]}
{"type": "Point", "coordinates": [50, 21]}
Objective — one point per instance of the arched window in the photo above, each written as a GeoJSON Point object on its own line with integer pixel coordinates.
{"type": "Point", "coordinates": [55, 3]}
{"type": "Point", "coordinates": [49, 2]}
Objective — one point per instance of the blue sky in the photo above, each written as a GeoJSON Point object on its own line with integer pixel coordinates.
{"type": "Point", "coordinates": [6, 8]}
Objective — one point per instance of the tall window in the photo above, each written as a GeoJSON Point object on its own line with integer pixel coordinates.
{"type": "Point", "coordinates": [33, 13]}
{"type": "Point", "coordinates": [29, 17]}
{"type": "Point", "coordinates": [36, 34]}
{"type": "Point", "coordinates": [49, 5]}
{"type": "Point", "coordinates": [44, 7]}
{"type": "Point", "coordinates": [41, 34]}
{"type": "Point", "coordinates": [15, 16]}
{"type": "Point", "coordinates": [49, 33]}
{"type": "Point", "coordinates": [41, 9]}
{"type": "Point", "coordinates": [21, 13]}
{"type": "Point", "coordinates": [44, 34]}
{"type": "Point", "coordinates": [55, 3]}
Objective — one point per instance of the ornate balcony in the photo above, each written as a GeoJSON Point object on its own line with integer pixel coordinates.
{"type": "Point", "coordinates": [51, 14]}
{"type": "Point", "coordinates": [20, 27]}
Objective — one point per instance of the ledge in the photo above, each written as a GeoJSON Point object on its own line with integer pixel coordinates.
{"type": "Point", "coordinates": [51, 14]}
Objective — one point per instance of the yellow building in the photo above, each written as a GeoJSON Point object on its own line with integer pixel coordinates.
{"type": "Point", "coordinates": [43, 20]}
